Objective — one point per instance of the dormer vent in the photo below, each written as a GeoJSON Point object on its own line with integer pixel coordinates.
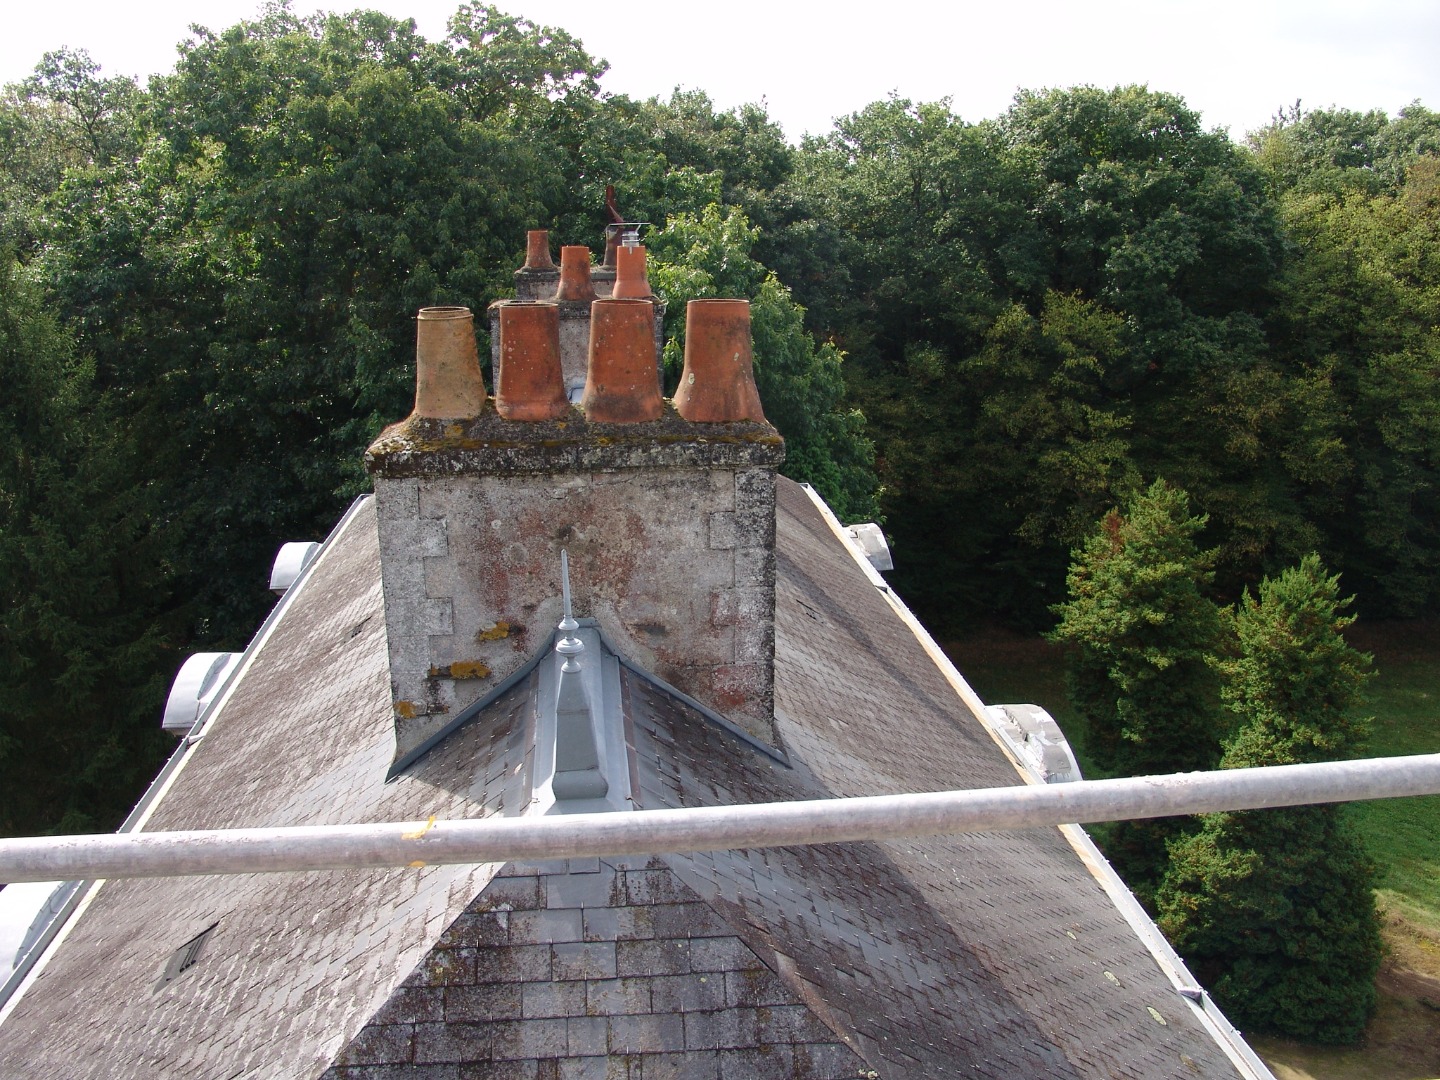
{"type": "Point", "coordinates": [290, 563]}
{"type": "Point", "coordinates": [871, 541]}
{"type": "Point", "coordinates": [197, 682]}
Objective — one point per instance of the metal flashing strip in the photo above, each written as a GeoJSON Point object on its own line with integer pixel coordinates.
{"type": "Point", "coordinates": [13, 988]}
{"type": "Point", "coordinates": [505, 685]}
{"type": "Point", "coordinates": [775, 753]}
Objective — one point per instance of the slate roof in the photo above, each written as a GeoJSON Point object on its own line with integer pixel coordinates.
{"type": "Point", "coordinates": [983, 955]}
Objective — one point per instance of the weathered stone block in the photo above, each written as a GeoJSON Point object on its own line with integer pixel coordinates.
{"type": "Point", "coordinates": [473, 516]}
{"type": "Point", "coordinates": [722, 529]}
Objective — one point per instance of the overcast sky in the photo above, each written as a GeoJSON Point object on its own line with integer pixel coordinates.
{"type": "Point", "coordinates": [1236, 62]}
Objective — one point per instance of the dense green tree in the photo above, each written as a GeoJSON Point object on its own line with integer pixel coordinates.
{"type": "Point", "coordinates": [1340, 150]}
{"type": "Point", "coordinates": [1361, 322]}
{"type": "Point", "coordinates": [977, 264]}
{"type": "Point", "coordinates": [65, 117]}
{"type": "Point", "coordinates": [84, 617]}
{"type": "Point", "coordinates": [1142, 635]}
{"type": "Point", "coordinates": [1274, 908]}
{"type": "Point", "coordinates": [247, 284]}
{"type": "Point", "coordinates": [800, 383]}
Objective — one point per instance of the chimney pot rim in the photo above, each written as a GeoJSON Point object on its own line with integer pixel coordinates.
{"type": "Point", "coordinates": [444, 311]}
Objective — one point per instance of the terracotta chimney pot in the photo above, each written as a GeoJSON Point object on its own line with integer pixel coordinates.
{"type": "Point", "coordinates": [529, 385]}
{"type": "Point", "coordinates": [622, 384]}
{"type": "Point", "coordinates": [537, 250]}
{"type": "Point", "coordinates": [718, 381]}
{"type": "Point", "coordinates": [448, 383]}
{"type": "Point", "coordinates": [575, 283]}
{"type": "Point", "coordinates": [630, 280]}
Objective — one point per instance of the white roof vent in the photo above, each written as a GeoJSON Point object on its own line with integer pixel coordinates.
{"type": "Point", "coordinates": [871, 542]}
{"type": "Point", "coordinates": [290, 563]}
{"type": "Point", "coordinates": [199, 680]}
{"type": "Point", "coordinates": [1035, 736]}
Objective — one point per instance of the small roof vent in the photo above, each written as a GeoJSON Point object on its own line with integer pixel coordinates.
{"type": "Point", "coordinates": [871, 542]}
{"type": "Point", "coordinates": [187, 956]}
{"type": "Point", "coordinates": [290, 562]}
{"type": "Point", "coordinates": [196, 684]}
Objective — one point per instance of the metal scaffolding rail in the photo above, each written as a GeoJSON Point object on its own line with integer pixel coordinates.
{"type": "Point", "coordinates": [654, 832]}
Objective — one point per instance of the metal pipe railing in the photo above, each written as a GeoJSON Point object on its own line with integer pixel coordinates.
{"type": "Point", "coordinates": [654, 832]}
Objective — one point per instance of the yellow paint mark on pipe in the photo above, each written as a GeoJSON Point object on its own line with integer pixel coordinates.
{"type": "Point", "coordinates": [418, 833]}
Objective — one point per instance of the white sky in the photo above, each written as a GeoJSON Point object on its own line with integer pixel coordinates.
{"type": "Point", "coordinates": [1236, 62]}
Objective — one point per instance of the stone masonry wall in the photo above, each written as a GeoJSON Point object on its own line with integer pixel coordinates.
{"type": "Point", "coordinates": [670, 536]}
{"type": "Point", "coordinates": [594, 970]}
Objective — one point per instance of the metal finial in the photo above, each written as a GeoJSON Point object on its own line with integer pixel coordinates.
{"type": "Point", "coordinates": [565, 580]}
{"type": "Point", "coordinates": [569, 646]}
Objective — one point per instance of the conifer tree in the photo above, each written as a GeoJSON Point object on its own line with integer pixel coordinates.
{"type": "Point", "coordinates": [1142, 630]}
{"type": "Point", "coordinates": [1140, 678]}
{"type": "Point", "coordinates": [1274, 908]}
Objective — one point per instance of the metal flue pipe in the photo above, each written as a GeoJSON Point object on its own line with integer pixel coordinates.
{"type": "Point", "coordinates": [653, 832]}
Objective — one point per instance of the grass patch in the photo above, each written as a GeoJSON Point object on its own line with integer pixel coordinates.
{"type": "Point", "coordinates": [1403, 835]}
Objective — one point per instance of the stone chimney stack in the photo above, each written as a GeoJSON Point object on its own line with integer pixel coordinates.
{"type": "Point", "coordinates": [669, 524]}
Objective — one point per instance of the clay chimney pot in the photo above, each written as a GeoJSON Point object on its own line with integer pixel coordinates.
{"type": "Point", "coordinates": [529, 385]}
{"type": "Point", "coordinates": [622, 384]}
{"type": "Point", "coordinates": [537, 250]}
{"type": "Point", "coordinates": [448, 383]}
{"type": "Point", "coordinates": [630, 280]}
{"type": "Point", "coordinates": [718, 381]}
{"type": "Point", "coordinates": [575, 283]}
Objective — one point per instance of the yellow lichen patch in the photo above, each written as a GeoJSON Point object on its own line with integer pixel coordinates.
{"type": "Point", "coordinates": [406, 710]}
{"type": "Point", "coordinates": [498, 632]}
{"type": "Point", "coordinates": [469, 669]}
